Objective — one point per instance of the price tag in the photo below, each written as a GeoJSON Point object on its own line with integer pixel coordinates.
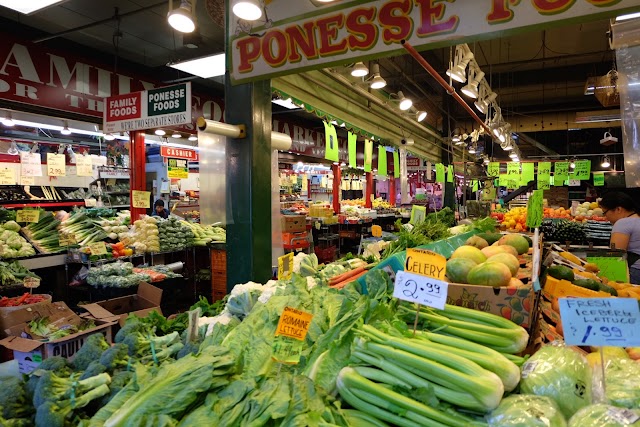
{"type": "Point", "coordinates": [493, 169]}
{"type": "Point", "coordinates": [141, 199]}
{"type": "Point", "coordinates": [294, 323]}
{"type": "Point", "coordinates": [544, 171]}
{"type": "Point", "coordinates": [67, 239]}
{"type": "Point", "coordinates": [31, 282]}
{"type": "Point", "coordinates": [286, 350]}
{"type": "Point", "coordinates": [582, 170]}
{"type": "Point", "coordinates": [426, 263]}
{"type": "Point", "coordinates": [561, 171]}
{"type": "Point", "coordinates": [31, 164]}
{"type": "Point", "coordinates": [27, 180]}
{"type": "Point", "coordinates": [285, 266]}
{"type": "Point", "coordinates": [56, 165]}
{"type": "Point", "coordinates": [528, 368]}
{"type": "Point", "coordinates": [84, 166]}
{"type": "Point", "coordinates": [439, 172]}
{"type": "Point", "coordinates": [28, 215]}
{"type": "Point", "coordinates": [535, 209]}
{"type": "Point", "coordinates": [598, 179]}
{"type": "Point", "coordinates": [544, 184]}
{"type": "Point", "coordinates": [421, 289]}
{"type": "Point", "coordinates": [600, 321]}
{"type": "Point", "coordinates": [7, 177]}
{"type": "Point", "coordinates": [623, 416]}
{"type": "Point", "coordinates": [98, 248]}
{"type": "Point", "coordinates": [111, 182]}
{"type": "Point", "coordinates": [574, 183]}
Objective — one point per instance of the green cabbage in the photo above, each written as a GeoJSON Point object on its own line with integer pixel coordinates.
{"type": "Point", "coordinates": [526, 410]}
{"type": "Point", "coordinates": [11, 225]}
{"type": "Point", "coordinates": [560, 373]}
{"type": "Point", "coordinates": [622, 387]}
{"type": "Point", "coordinates": [602, 415]}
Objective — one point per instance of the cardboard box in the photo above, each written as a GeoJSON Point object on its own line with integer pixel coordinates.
{"type": "Point", "coordinates": [141, 304]}
{"type": "Point", "coordinates": [293, 223]}
{"type": "Point", "coordinates": [30, 352]}
{"type": "Point", "coordinates": [513, 303]}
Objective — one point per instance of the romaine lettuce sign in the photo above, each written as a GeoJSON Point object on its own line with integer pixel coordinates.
{"type": "Point", "coordinates": [304, 34]}
{"type": "Point", "coordinates": [149, 109]}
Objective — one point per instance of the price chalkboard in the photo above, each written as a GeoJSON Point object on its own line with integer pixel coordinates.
{"type": "Point", "coordinates": [600, 321]}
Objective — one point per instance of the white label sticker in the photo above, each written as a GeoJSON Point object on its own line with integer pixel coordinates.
{"type": "Point", "coordinates": [623, 416]}
{"type": "Point", "coordinates": [528, 368]}
{"type": "Point", "coordinates": [421, 289]}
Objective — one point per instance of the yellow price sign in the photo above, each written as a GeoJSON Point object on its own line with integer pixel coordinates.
{"type": "Point", "coordinates": [27, 180]}
{"type": "Point", "coordinates": [28, 215]}
{"type": "Point", "coordinates": [7, 177]}
{"type": "Point", "coordinates": [426, 263]}
{"type": "Point", "coordinates": [294, 323]}
{"type": "Point", "coordinates": [67, 239]}
{"type": "Point", "coordinates": [56, 165]}
{"type": "Point", "coordinates": [84, 166]}
{"type": "Point", "coordinates": [141, 199]}
{"type": "Point", "coordinates": [98, 248]}
{"type": "Point", "coordinates": [285, 266]}
{"type": "Point", "coordinates": [286, 350]}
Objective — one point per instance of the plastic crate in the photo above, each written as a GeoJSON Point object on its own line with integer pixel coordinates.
{"type": "Point", "coordinates": [218, 261]}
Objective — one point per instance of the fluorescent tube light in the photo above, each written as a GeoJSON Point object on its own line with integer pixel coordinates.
{"type": "Point", "coordinates": [30, 6]}
{"type": "Point", "coordinates": [206, 67]}
{"type": "Point", "coordinates": [286, 103]}
{"type": "Point", "coordinates": [628, 16]}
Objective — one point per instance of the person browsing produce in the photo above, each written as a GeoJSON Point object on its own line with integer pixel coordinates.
{"type": "Point", "coordinates": [619, 208]}
{"type": "Point", "coordinates": [159, 210]}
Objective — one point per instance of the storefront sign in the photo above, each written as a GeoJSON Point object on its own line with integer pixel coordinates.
{"type": "Point", "coordinates": [306, 35]}
{"type": "Point", "coordinates": [30, 164]}
{"type": "Point", "coordinates": [7, 177]}
{"type": "Point", "coordinates": [141, 199]}
{"type": "Point", "coordinates": [56, 165]}
{"type": "Point", "coordinates": [177, 168]}
{"type": "Point", "coordinates": [162, 107]}
{"type": "Point", "coordinates": [84, 166]}
{"type": "Point", "coordinates": [413, 162]}
{"type": "Point", "coordinates": [179, 153]}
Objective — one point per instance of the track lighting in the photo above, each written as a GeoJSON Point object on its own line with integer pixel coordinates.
{"type": "Point", "coordinates": [486, 161]}
{"type": "Point", "coordinates": [462, 57]}
{"type": "Point", "coordinates": [475, 77]}
{"type": "Point", "coordinates": [359, 70]}
{"type": "Point", "coordinates": [456, 137]}
{"type": "Point", "coordinates": [65, 130]}
{"type": "Point", "coordinates": [513, 154]}
{"type": "Point", "coordinates": [404, 102]}
{"type": "Point", "coordinates": [376, 81]}
{"type": "Point", "coordinates": [473, 148]}
{"type": "Point", "coordinates": [8, 121]}
{"type": "Point", "coordinates": [182, 18]}
{"type": "Point", "coordinates": [485, 97]}
{"type": "Point", "coordinates": [605, 162]}
{"type": "Point", "coordinates": [248, 10]}
{"type": "Point", "coordinates": [421, 115]}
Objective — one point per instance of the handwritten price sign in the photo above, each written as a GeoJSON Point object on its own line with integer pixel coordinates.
{"type": "Point", "coordinates": [98, 248]}
{"type": "Point", "coordinates": [7, 177]}
{"type": "Point", "coordinates": [56, 165]}
{"type": "Point", "coordinates": [28, 215]}
{"type": "Point", "coordinates": [84, 166]}
{"type": "Point", "coordinates": [600, 321]}
{"type": "Point", "coordinates": [421, 289]}
{"type": "Point", "coordinates": [290, 334]}
{"type": "Point", "coordinates": [493, 169]}
{"type": "Point", "coordinates": [582, 170]}
{"type": "Point", "coordinates": [141, 199]}
{"type": "Point", "coordinates": [30, 164]}
{"type": "Point", "coordinates": [513, 168]}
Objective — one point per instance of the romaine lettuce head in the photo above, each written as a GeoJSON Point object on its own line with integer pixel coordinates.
{"type": "Point", "coordinates": [560, 373]}
{"type": "Point", "coordinates": [526, 410]}
{"type": "Point", "coordinates": [602, 415]}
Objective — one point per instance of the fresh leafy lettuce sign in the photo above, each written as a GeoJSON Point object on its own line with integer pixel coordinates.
{"type": "Point", "coordinates": [561, 172]}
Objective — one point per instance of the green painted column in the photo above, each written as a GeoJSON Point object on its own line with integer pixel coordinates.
{"type": "Point", "coordinates": [249, 183]}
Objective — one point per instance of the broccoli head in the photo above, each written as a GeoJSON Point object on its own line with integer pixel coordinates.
{"type": "Point", "coordinates": [54, 388]}
{"type": "Point", "coordinates": [116, 357]}
{"type": "Point", "coordinates": [55, 364]}
{"type": "Point", "coordinates": [16, 422]}
{"type": "Point", "coordinates": [90, 351]}
{"type": "Point", "coordinates": [118, 382]}
{"type": "Point", "coordinates": [60, 413]}
{"type": "Point", "coordinates": [140, 344]}
{"type": "Point", "coordinates": [133, 325]}
{"type": "Point", "coordinates": [94, 368]}
{"type": "Point", "coordinates": [13, 398]}
{"type": "Point", "coordinates": [189, 348]}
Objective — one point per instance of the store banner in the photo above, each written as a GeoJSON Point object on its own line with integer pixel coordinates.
{"type": "Point", "coordinates": [598, 179]}
{"type": "Point", "coordinates": [296, 36]}
{"type": "Point", "coordinates": [353, 149]}
{"type": "Point", "coordinates": [30, 164]}
{"type": "Point", "coordinates": [331, 151]}
{"type": "Point", "coordinates": [450, 173]}
{"type": "Point", "coordinates": [528, 173]}
{"type": "Point", "coordinates": [382, 160]}
{"type": "Point", "coordinates": [368, 155]}
{"type": "Point", "coordinates": [396, 164]}
{"type": "Point", "coordinates": [561, 172]}
{"type": "Point", "coordinates": [493, 169]}
{"type": "Point", "coordinates": [440, 173]}
{"type": "Point", "coordinates": [582, 171]}
{"type": "Point", "coordinates": [179, 153]}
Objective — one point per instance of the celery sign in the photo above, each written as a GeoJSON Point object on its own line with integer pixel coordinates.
{"type": "Point", "coordinates": [422, 280]}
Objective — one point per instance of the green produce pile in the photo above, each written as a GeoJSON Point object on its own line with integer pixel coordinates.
{"type": "Point", "coordinates": [84, 230]}
{"type": "Point", "coordinates": [115, 275]}
{"type": "Point", "coordinates": [563, 230]}
{"type": "Point", "coordinates": [174, 234]}
{"type": "Point", "coordinates": [430, 230]}
{"type": "Point", "coordinates": [205, 234]}
{"type": "Point", "coordinates": [12, 273]}
{"type": "Point", "coordinates": [40, 328]}
{"type": "Point", "coordinates": [12, 244]}
{"type": "Point", "coordinates": [44, 234]}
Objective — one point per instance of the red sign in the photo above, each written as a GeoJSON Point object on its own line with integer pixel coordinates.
{"type": "Point", "coordinates": [179, 153]}
{"type": "Point", "coordinates": [413, 162]}
{"type": "Point", "coordinates": [124, 107]}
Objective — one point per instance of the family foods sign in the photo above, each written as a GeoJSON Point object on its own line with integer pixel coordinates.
{"type": "Point", "coordinates": [306, 35]}
{"type": "Point", "coordinates": [154, 108]}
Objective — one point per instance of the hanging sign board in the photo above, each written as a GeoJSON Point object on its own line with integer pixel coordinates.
{"type": "Point", "coordinates": [84, 166]}
{"type": "Point", "coordinates": [28, 215]}
{"type": "Point", "coordinates": [30, 164]}
{"type": "Point", "coordinates": [179, 153]}
{"type": "Point", "coordinates": [141, 199]}
{"type": "Point", "coordinates": [304, 35]}
{"type": "Point", "coordinates": [285, 266]}
{"type": "Point", "coordinates": [149, 109]}
{"type": "Point", "coordinates": [177, 168]}
{"type": "Point", "coordinates": [56, 165]}
{"type": "Point", "coordinates": [7, 177]}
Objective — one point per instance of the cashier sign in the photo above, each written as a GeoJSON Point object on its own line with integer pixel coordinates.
{"type": "Point", "coordinates": [422, 280]}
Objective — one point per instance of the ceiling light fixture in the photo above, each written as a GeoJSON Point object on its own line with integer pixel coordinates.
{"type": "Point", "coordinates": [515, 159]}
{"type": "Point", "coordinates": [606, 162]}
{"type": "Point", "coordinates": [182, 18]}
{"type": "Point", "coordinates": [486, 161]}
{"type": "Point", "coordinates": [475, 77]}
{"type": "Point", "coordinates": [513, 154]}
{"type": "Point", "coordinates": [13, 149]}
{"type": "Point", "coordinates": [421, 115]}
{"type": "Point", "coordinates": [376, 81]}
{"type": "Point", "coordinates": [473, 149]}
{"type": "Point", "coordinates": [286, 103]}
{"type": "Point", "coordinates": [405, 103]}
{"type": "Point", "coordinates": [65, 129]}
{"type": "Point", "coordinates": [28, 7]}
{"type": "Point", "coordinates": [109, 137]}
{"type": "Point", "coordinates": [160, 132]}
{"type": "Point", "coordinates": [8, 121]}
{"type": "Point", "coordinates": [359, 70]}
{"type": "Point", "coordinates": [628, 16]}
{"type": "Point", "coordinates": [205, 67]}
{"type": "Point", "coordinates": [462, 57]}
{"type": "Point", "coordinates": [249, 10]}
{"type": "Point", "coordinates": [193, 138]}
{"type": "Point", "coordinates": [176, 135]}
{"type": "Point", "coordinates": [483, 103]}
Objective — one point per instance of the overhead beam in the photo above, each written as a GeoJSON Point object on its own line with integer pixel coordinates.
{"type": "Point", "coordinates": [532, 142]}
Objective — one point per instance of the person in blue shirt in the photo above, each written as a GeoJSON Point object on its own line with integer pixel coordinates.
{"type": "Point", "coordinates": [620, 209]}
{"type": "Point", "coordinates": [159, 210]}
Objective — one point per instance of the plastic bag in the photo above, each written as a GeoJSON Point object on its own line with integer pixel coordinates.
{"type": "Point", "coordinates": [602, 415]}
{"type": "Point", "coordinates": [526, 410]}
{"type": "Point", "coordinates": [560, 373]}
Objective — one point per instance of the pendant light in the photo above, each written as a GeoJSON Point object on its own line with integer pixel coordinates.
{"type": "Point", "coordinates": [248, 10]}
{"type": "Point", "coordinates": [65, 129]}
{"type": "Point", "coordinates": [475, 77]}
{"type": "Point", "coordinates": [606, 162]}
{"type": "Point", "coordinates": [182, 18]}
{"type": "Point", "coordinates": [462, 58]}
{"type": "Point", "coordinates": [376, 81]}
{"type": "Point", "coordinates": [8, 121]}
{"type": "Point", "coordinates": [359, 70]}
{"type": "Point", "coordinates": [13, 149]}
{"type": "Point", "coordinates": [404, 103]}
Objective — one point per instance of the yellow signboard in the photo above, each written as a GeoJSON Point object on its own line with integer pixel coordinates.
{"type": "Point", "coordinates": [7, 177]}
{"type": "Point", "coordinates": [294, 323]}
{"type": "Point", "coordinates": [84, 166]}
{"type": "Point", "coordinates": [426, 263]}
{"type": "Point", "coordinates": [28, 215]}
{"type": "Point", "coordinates": [141, 199]}
{"type": "Point", "coordinates": [98, 248]}
{"type": "Point", "coordinates": [177, 168]}
{"type": "Point", "coordinates": [56, 165]}
{"type": "Point", "coordinates": [27, 180]}
{"type": "Point", "coordinates": [285, 266]}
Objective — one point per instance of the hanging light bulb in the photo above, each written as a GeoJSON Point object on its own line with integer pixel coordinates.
{"type": "Point", "coordinates": [359, 70]}
{"type": "Point", "coordinates": [160, 132]}
{"type": "Point", "coordinates": [193, 138]}
{"type": "Point", "coordinates": [513, 154]}
{"type": "Point", "coordinates": [65, 130]}
{"type": "Point", "coordinates": [249, 10]}
{"type": "Point", "coordinates": [421, 115]}
{"type": "Point", "coordinates": [13, 149]}
{"type": "Point", "coordinates": [176, 135]}
{"type": "Point", "coordinates": [486, 161]}
{"type": "Point", "coordinates": [605, 162]}
{"type": "Point", "coordinates": [462, 57]}
{"type": "Point", "coordinates": [376, 81]}
{"type": "Point", "coordinates": [473, 149]}
{"type": "Point", "coordinates": [8, 121]}
{"type": "Point", "coordinates": [405, 103]}
{"type": "Point", "coordinates": [182, 18]}
{"type": "Point", "coordinates": [572, 165]}
{"type": "Point", "coordinates": [483, 103]}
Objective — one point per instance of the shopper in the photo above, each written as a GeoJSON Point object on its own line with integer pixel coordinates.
{"type": "Point", "coordinates": [159, 210]}
{"type": "Point", "coordinates": [620, 209]}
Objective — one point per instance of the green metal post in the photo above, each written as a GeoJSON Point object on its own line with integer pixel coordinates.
{"type": "Point", "coordinates": [249, 183]}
